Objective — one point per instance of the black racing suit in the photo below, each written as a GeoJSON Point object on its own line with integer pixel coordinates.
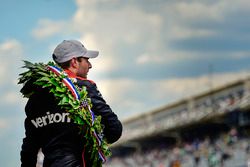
{"type": "Point", "coordinates": [48, 127]}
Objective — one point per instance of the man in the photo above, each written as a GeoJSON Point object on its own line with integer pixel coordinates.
{"type": "Point", "coordinates": [48, 126]}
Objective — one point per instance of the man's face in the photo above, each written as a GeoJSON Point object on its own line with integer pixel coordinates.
{"type": "Point", "coordinates": [83, 67]}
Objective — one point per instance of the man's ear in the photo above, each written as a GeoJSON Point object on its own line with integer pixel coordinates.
{"type": "Point", "coordinates": [73, 63]}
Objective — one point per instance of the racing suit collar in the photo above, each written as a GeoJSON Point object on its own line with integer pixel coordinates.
{"type": "Point", "coordinates": [73, 75]}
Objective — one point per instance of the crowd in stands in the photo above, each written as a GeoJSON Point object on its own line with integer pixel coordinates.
{"type": "Point", "coordinates": [226, 150]}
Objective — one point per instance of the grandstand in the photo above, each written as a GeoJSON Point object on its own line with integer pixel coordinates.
{"type": "Point", "coordinates": [209, 129]}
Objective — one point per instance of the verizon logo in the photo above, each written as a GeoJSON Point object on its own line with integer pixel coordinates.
{"type": "Point", "coordinates": [50, 118]}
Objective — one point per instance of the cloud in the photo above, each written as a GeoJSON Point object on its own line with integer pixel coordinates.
{"type": "Point", "coordinates": [197, 10]}
{"type": "Point", "coordinates": [114, 29]}
{"type": "Point", "coordinates": [10, 97]}
{"type": "Point", "coordinates": [240, 54]}
{"type": "Point", "coordinates": [103, 64]}
{"type": "Point", "coordinates": [3, 123]}
{"type": "Point", "coordinates": [149, 58]}
{"type": "Point", "coordinates": [10, 47]}
{"type": "Point", "coordinates": [185, 87]}
{"type": "Point", "coordinates": [107, 26]}
{"type": "Point", "coordinates": [10, 54]}
{"type": "Point", "coordinates": [204, 26]}
{"type": "Point", "coordinates": [47, 28]}
{"type": "Point", "coordinates": [167, 27]}
{"type": "Point", "coordinates": [12, 114]}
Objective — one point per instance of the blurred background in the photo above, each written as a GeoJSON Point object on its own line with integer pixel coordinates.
{"type": "Point", "coordinates": [175, 72]}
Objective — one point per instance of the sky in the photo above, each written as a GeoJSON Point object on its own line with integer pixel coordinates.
{"type": "Point", "coordinates": [152, 52]}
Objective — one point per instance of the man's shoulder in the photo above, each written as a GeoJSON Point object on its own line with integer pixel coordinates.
{"type": "Point", "coordinates": [86, 82]}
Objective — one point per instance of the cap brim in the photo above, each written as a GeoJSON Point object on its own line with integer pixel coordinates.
{"type": "Point", "coordinates": [91, 54]}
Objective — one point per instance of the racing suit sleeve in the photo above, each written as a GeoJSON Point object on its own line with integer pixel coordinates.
{"type": "Point", "coordinates": [30, 146]}
{"type": "Point", "coordinates": [112, 125]}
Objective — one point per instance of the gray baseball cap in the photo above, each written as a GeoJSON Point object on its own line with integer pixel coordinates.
{"type": "Point", "coordinates": [69, 49]}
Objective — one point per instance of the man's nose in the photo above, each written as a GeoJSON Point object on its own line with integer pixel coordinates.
{"type": "Point", "coordinates": [90, 65]}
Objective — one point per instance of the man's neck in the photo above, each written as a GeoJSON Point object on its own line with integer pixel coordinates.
{"type": "Point", "coordinates": [72, 74]}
